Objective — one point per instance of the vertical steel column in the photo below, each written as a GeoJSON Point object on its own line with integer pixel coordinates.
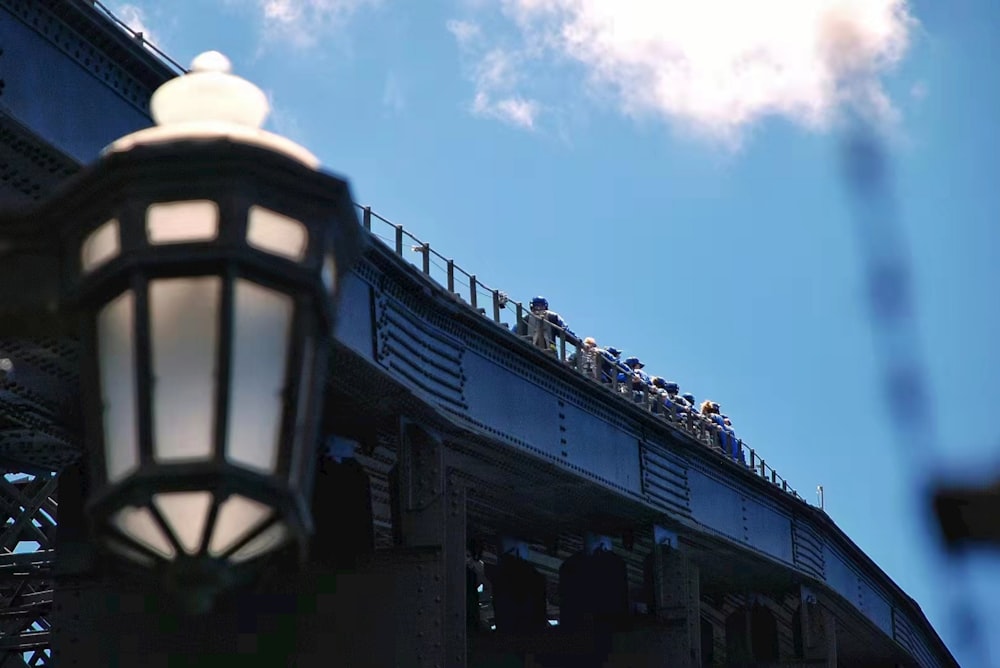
{"type": "Point", "coordinates": [819, 630]}
{"type": "Point", "coordinates": [677, 597]}
{"type": "Point", "coordinates": [830, 634]}
{"type": "Point", "coordinates": [433, 514]}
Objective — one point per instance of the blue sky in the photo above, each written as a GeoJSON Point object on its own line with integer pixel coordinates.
{"type": "Point", "coordinates": [669, 177]}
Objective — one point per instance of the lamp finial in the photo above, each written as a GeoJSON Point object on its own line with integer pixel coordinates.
{"type": "Point", "coordinates": [212, 102]}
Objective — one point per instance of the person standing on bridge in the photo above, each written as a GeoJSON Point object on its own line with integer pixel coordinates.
{"type": "Point", "coordinates": [587, 360]}
{"type": "Point", "coordinates": [541, 326]}
{"type": "Point", "coordinates": [636, 379]}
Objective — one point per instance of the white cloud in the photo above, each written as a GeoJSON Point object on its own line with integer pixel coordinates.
{"type": "Point", "coordinates": [495, 74]}
{"type": "Point", "coordinates": [464, 31]}
{"type": "Point", "coordinates": [714, 66]}
{"type": "Point", "coordinates": [513, 110]}
{"type": "Point", "coordinates": [304, 22]}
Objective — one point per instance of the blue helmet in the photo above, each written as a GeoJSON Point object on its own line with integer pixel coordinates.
{"type": "Point", "coordinates": [540, 302]}
{"type": "Point", "coordinates": [687, 396]}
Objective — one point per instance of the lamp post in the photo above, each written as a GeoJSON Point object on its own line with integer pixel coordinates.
{"type": "Point", "coordinates": [201, 259]}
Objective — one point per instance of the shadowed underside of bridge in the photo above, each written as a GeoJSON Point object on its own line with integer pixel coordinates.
{"type": "Point", "coordinates": [464, 434]}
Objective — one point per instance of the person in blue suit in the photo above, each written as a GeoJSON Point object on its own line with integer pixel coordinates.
{"type": "Point", "coordinates": [541, 326]}
{"type": "Point", "coordinates": [612, 367]}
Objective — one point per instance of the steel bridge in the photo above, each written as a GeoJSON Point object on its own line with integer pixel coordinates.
{"type": "Point", "coordinates": [464, 455]}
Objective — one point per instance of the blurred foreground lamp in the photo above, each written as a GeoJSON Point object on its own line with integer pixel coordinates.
{"type": "Point", "coordinates": [203, 257]}
{"type": "Point", "coordinates": [969, 515]}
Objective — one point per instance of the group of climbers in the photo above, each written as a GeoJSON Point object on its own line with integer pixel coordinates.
{"type": "Point", "coordinates": [544, 327]}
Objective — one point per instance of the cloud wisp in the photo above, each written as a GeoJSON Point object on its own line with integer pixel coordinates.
{"type": "Point", "coordinates": [714, 67]}
{"type": "Point", "coordinates": [496, 74]}
{"type": "Point", "coordinates": [304, 23]}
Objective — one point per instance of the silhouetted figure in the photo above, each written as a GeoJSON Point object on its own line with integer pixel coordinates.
{"type": "Point", "coordinates": [593, 598]}
{"type": "Point", "coordinates": [471, 599]}
{"type": "Point", "coordinates": [474, 574]}
{"type": "Point", "coordinates": [518, 596]}
{"type": "Point", "coordinates": [342, 513]}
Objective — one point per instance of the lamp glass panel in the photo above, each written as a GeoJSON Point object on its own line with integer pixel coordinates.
{"type": "Point", "coordinates": [116, 358]}
{"type": "Point", "coordinates": [184, 325]}
{"type": "Point", "coordinates": [266, 541]}
{"type": "Point", "coordinates": [272, 232]}
{"type": "Point", "coordinates": [179, 222]}
{"type": "Point", "coordinates": [262, 322]}
{"type": "Point", "coordinates": [237, 518]}
{"type": "Point", "coordinates": [101, 245]}
{"type": "Point", "coordinates": [140, 525]}
{"type": "Point", "coordinates": [185, 513]}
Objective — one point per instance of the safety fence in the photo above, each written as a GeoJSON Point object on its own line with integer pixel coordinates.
{"type": "Point", "coordinates": [496, 305]}
{"type": "Point", "coordinates": [139, 37]}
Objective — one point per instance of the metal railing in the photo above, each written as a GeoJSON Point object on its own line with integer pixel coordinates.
{"type": "Point", "coordinates": [567, 347]}
{"type": "Point", "coordinates": [140, 38]}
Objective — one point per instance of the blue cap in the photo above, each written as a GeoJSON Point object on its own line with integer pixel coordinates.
{"type": "Point", "coordinates": [614, 352]}
{"type": "Point", "coordinates": [671, 386]}
{"type": "Point", "coordinates": [634, 361]}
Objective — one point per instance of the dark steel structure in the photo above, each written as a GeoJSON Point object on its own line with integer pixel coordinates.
{"type": "Point", "coordinates": [604, 531]}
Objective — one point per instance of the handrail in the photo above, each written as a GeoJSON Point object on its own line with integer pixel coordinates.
{"type": "Point", "coordinates": [467, 289]}
{"type": "Point", "coordinates": [139, 37]}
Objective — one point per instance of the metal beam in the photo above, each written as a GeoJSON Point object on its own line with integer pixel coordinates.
{"type": "Point", "coordinates": [677, 603]}
{"type": "Point", "coordinates": [24, 642]}
{"type": "Point", "coordinates": [432, 504]}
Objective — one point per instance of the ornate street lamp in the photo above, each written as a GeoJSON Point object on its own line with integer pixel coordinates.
{"type": "Point", "coordinates": [203, 257]}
